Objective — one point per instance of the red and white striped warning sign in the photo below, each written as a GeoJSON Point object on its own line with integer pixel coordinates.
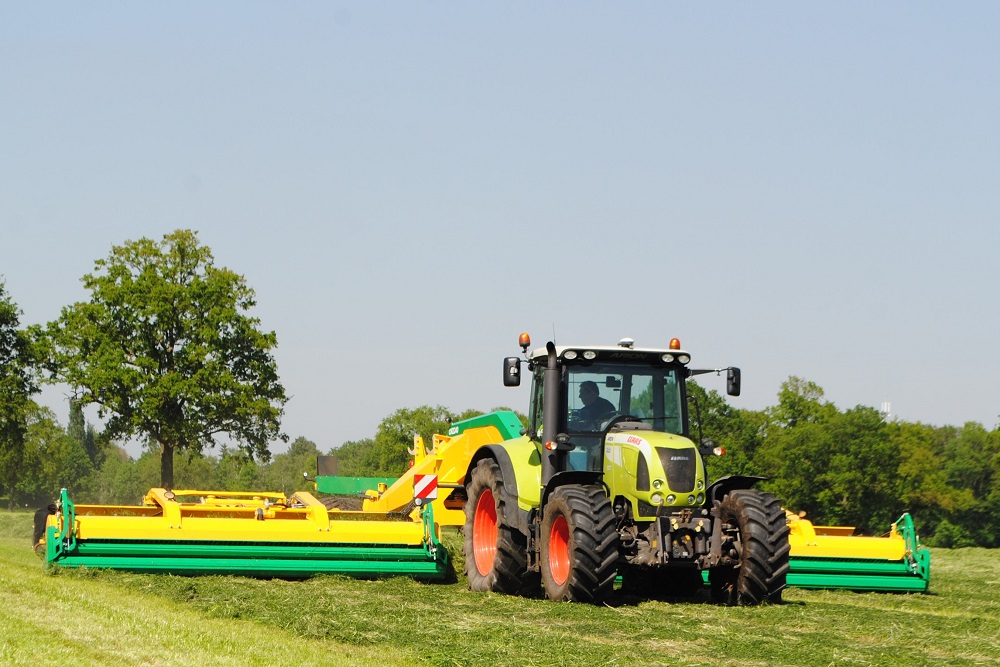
{"type": "Point", "coordinates": [425, 487]}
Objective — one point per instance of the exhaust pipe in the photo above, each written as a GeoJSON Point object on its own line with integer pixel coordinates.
{"type": "Point", "coordinates": [553, 459]}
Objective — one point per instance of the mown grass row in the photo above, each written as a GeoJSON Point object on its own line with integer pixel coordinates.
{"type": "Point", "coordinates": [121, 618]}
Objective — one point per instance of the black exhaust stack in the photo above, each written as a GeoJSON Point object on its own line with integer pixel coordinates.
{"type": "Point", "coordinates": [553, 460]}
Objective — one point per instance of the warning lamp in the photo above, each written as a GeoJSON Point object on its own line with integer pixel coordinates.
{"type": "Point", "coordinates": [524, 340]}
{"type": "Point", "coordinates": [551, 445]}
{"type": "Point", "coordinates": [675, 343]}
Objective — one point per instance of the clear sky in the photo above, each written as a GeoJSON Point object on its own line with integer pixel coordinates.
{"type": "Point", "coordinates": [792, 188]}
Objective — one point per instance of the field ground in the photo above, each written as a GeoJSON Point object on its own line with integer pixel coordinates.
{"type": "Point", "coordinates": [120, 619]}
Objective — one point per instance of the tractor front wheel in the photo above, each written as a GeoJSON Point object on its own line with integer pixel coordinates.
{"type": "Point", "coordinates": [579, 545]}
{"type": "Point", "coordinates": [495, 551]}
{"type": "Point", "coordinates": [756, 543]}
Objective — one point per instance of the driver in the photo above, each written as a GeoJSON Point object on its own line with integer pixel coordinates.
{"type": "Point", "coordinates": [594, 406]}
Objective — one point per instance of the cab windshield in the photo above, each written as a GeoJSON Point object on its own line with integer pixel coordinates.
{"type": "Point", "coordinates": [596, 393]}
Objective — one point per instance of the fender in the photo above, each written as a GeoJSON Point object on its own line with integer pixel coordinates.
{"type": "Point", "coordinates": [720, 487]}
{"type": "Point", "coordinates": [584, 477]}
{"type": "Point", "coordinates": [500, 454]}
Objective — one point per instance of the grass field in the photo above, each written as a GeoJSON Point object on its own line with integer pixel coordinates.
{"type": "Point", "coordinates": [116, 618]}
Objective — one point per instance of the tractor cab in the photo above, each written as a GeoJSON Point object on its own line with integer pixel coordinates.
{"type": "Point", "coordinates": [620, 413]}
{"type": "Point", "coordinates": [601, 388]}
{"type": "Point", "coordinates": [639, 389]}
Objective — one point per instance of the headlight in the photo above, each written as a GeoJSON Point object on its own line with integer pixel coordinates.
{"type": "Point", "coordinates": [657, 483]}
{"type": "Point", "coordinates": [656, 499]}
{"type": "Point", "coordinates": [671, 498]}
{"type": "Point", "coordinates": [701, 485]}
{"type": "Point", "coordinates": [701, 498]}
{"type": "Point", "coordinates": [569, 354]}
{"type": "Point", "coordinates": [683, 358]}
{"type": "Point", "coordinates": [589, 355]}
{"type": "Point", "coordinates": [667, 358]}
{"type": "Point", "coordinates": [690, 500]}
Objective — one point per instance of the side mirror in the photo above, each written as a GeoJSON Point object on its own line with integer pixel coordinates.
{"type": "Point", "coordinates": [733, 381]}
{"type": "Point", "coordinates": [512, 372]}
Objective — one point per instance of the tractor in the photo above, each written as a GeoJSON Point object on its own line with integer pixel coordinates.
{"type": "Point", "coordinates": [607, 481]}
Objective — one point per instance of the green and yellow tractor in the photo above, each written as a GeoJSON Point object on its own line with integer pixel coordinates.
{"type": "Point", "coordinates": [607, 480]}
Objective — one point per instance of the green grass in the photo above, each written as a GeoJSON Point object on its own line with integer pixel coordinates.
{"type": "Point", "coordinates": [124, 619]}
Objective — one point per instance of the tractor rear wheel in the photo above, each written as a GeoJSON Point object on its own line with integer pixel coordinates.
{"type": "Point", "coordinates": [495, 551]}
{"type": "Point", "coordinates": [757, 542]}
{"type": "Point", "coordinates": [579, 545]}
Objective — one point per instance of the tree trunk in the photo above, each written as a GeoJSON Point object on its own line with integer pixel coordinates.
{"type": "Point", "coordinates": [166, 465]}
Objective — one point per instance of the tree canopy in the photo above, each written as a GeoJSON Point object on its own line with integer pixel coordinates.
{"type": "Point", "coordinates": [166, 349]}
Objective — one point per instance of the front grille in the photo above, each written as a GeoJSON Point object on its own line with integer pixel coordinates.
{"type": "Point", "coordinates": [681, 465]}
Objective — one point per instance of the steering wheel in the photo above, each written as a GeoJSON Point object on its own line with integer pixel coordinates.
{"type": "Point", "coordinates": [618, 418]}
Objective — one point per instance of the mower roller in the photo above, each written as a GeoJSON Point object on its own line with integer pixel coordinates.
{"type": "Point", "coordinates": [253, 534]}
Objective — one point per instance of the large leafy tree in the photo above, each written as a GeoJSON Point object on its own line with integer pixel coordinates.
{"type": "Point", "coordinates": [166, 349]}
{"type": "Point", "coordinates": [17, 384]}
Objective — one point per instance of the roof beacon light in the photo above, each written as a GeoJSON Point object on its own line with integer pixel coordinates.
{"type": "Point", "coordinates": [524, 340]}
{"type": "Point", "coordinates": [675, 343]}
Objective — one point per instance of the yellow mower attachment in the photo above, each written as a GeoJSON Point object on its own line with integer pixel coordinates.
{"type": "Point", "coordinates": [833, 557]}
{"type": "Point", "coordinates": [254, 534]}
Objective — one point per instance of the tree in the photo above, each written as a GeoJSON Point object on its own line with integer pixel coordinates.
{"type": "Point", "coordinates": [17, 384]}
{"type": "Point", "coordinates": [860, 486]}
{"type": "Point", "coordinates": [165, 348]}
{"type": "Point", "coordinates": [284, 474]}
{"type": "Point", "coordinates": [738, 432]}
{"type": "Point", "coordinates": [796, 447]}
{"type": "Point", "coordinates": [84, 433]}
{"type": "Point", "coordinates": [356, 458]}
{"type": "Point", "coordinates": [52, 460]}
{"type": "Point", "coordinates": [387, 454]}
{"type": "Point", "coordinates": [120, 480]}
{"type": "Point", "coordinates": [394, 437]}
{"type": "Point", "coordinates": [238, 472]}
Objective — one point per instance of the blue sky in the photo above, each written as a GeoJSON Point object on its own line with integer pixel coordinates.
{"type": "Point", "coordinates": [794, 189]}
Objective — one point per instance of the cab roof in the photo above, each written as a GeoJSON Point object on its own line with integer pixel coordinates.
{"type": "Point", "coordinates": [620, 352]}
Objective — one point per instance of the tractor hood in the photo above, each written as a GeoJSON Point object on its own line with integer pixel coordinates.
{"type": "Point", "coordinates": [654, 469]}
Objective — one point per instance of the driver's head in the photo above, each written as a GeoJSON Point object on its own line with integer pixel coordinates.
{"type": "Point", "coordinates": [589, 392]}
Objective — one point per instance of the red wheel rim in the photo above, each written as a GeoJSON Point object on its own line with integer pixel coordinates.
{"type": "Point", "coordinates": [484, 532]}
{"type": "Point", "coordinates": [559, 550]}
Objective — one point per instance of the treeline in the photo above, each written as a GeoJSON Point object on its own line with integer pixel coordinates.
{"type": "Point", "coordinates": [854, 467]}
{"type": "Point", "coordinates": [96, 470]}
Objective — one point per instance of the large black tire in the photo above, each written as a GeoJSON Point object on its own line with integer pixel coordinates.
{"type": "Point", "coordinates": [780, 547]}
{"type": "Point", "coordinates": [760, 542]}
{"type": "Point", "coordinates": [496, 555]}
{"type": "Point", "coordinates": [579, 545]}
